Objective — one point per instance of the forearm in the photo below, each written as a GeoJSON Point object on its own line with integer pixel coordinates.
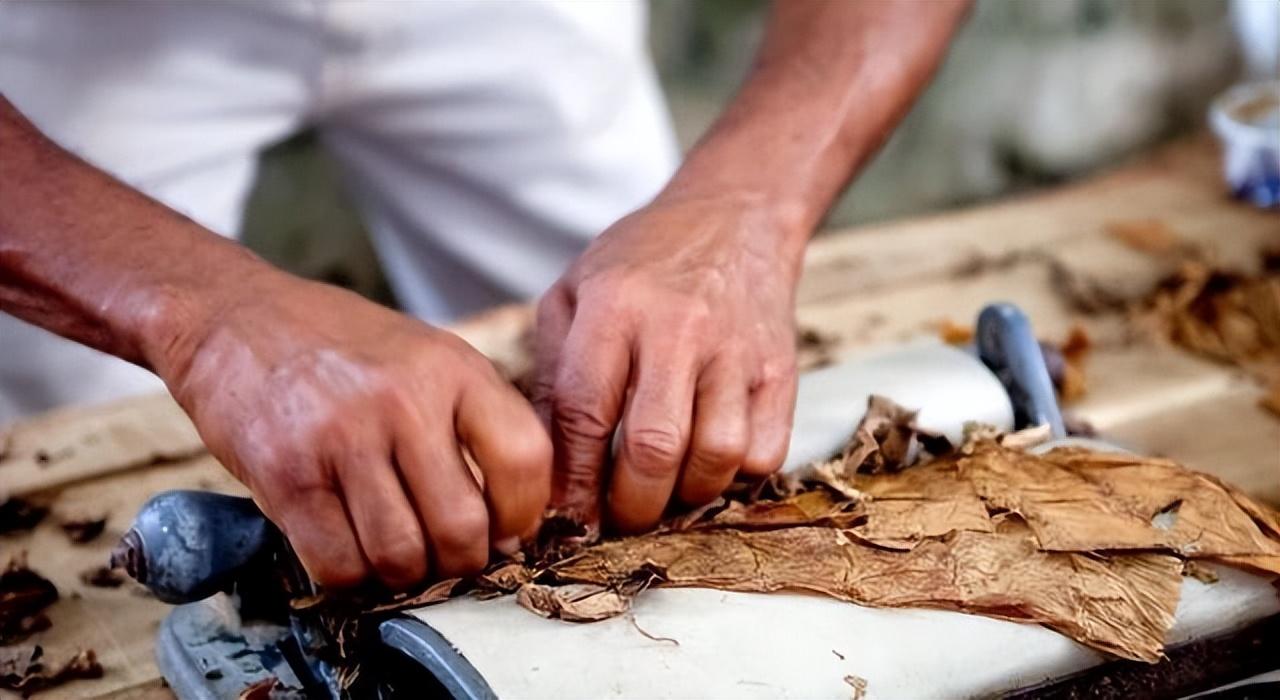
{"type": "Point", "coordinates": [86, 257]}
{"type": "Point", "coordinates": [830, 82]}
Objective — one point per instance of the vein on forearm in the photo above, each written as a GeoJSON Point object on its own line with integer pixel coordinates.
{"type": "Point", "coordinates": [88, 258]}
{"type": "Point", "coordinates": [829, 83]}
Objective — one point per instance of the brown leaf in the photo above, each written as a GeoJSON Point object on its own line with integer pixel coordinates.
{"type": "Point", "coordinates": [1123, 605]}
{"type": "Point", "coordinates": [953, 333]}
{"type": "Point", "coordinates": [815, 348]}
{"type": "Point", "coordinates": [82, 530]}
{"type": "Point", "coordinates": [435, 593]}
{"type": "Point", "coordinates": [574, 602]}
{"type": "Point", "coordinates": [23, 669]}
{"type": "Point", "coordinates": [260, 690]}
{"type": "Point", "coordinates": [808, 508]}
{"type": "Point", "coordinates": [18, 515]}
{"type": "Point", "coordinates": [1146, 236]}
{"type": "Point", "coordinates": [24, 595]}
{"type": "Point", "coordinates": [1224, 316]}
{"type": "Point", "coordinates": [103, 577]}
{"type": "Point", "coordinates": [859, 686]}
{"type": "Point", "coordinates": [888, 439]}
{"type": "Point", "coordinates": [1077, 500]}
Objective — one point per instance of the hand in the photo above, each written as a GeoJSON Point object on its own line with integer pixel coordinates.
{"type": "Point", "coordinates": [677, 324]}
{"type": "Point", "coordinates": [353, 426]}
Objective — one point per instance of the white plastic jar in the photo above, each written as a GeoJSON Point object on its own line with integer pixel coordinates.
{"type": "Point", "coordinates": [1247, 120]}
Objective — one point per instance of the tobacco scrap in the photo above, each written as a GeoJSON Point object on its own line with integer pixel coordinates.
{"type": "Point", "coordinates": [24, 669]}
{"type": "Point", "coordinates": [83, 530]}
{"type": "Point", "coordinates": [858, 684]}
{"type": "Point", "coordinates": [19, 515]}
{"type": "Point", "coordinates": [103, 577]}
{"type": "Point", "coordinates": [888, 439]}
{"type": "Point", "coordinates": [815, 348]}
{"type": "Point", "coordinates": [24, 595]}
{"type": "Point", "coordinates": [574, 602]}
{"type": "Point", "coordinates": [1151, 236]}
{"type": "Point", "coordinates": [1227, 317]}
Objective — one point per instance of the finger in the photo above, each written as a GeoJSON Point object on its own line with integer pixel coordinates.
{"type": "Point", "coordinates": [448, 501]}
{"type": "Point", "coordinates": [385, 522]}
{"type": "Point", "coordinates": [315, 521]}
{"type": "Point", "coordinates": [586, 400]}
{"type": "Point", "coordinates": [721, 432]}
{"type": "Point", "coordinates": [773, 406]}
{"type": "Point", "coordinates": [513, 452]}
{"type": "Point", "coordinates": [555, 313]}
{"type": "Point", "coordinates": [655, 433]}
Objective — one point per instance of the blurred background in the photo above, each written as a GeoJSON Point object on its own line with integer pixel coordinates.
{"type": "Point", "coordinates": [1033, 93]}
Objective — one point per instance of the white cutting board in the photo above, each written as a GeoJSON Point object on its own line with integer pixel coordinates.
{"type": "Point", "coordinates": [782, 645]}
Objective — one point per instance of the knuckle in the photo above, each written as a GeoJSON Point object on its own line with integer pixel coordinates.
{"type": "Point", "coordinates": [576, 418]}
{"type": "Point", "coordinates": [778, 369]}
{"type": "Point", "coordinates": [655, 450]}
{"type": "Point", "coordinates": [403, 559]}
{"type": "Point", "coordinates": [340, 572]}
{"type": "Point", "coordinates": [718, 451]}
{"type": "Point", "coordinates": [467, 529]}
{"type": "Point", "coordinates": [295, 477]}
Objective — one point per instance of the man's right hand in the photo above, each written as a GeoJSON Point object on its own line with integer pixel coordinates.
{"type": "Point", "coordinates": [352, 426]}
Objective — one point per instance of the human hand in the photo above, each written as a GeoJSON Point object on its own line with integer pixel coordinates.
{"type": "Point", "coordinates": [676, 324]}
{"type": "Point", "coordinates": [352, 425]}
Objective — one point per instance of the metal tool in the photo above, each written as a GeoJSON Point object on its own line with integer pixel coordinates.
{"type": "Point", "coordinates": [187, 545]}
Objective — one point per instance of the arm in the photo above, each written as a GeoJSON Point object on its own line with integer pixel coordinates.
{"type": "Point", "coordinates": [347, 421]}
{"type": "Point", "coordinates": [677, 323]}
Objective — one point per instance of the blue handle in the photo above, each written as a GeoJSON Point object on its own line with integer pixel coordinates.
{"type": "Point", "coordinates": [1009, 348]}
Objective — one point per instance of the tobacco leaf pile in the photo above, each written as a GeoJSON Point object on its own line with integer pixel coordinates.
{"type": "Point", "coordinates": [1226, 316]}
{"type": "Point", "coordinates": [1091, 544]}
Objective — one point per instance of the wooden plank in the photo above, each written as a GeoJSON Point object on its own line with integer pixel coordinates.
{"type": "Point", "coordinates": [84, 442]}
{"type": "Point", "coordinates": [118, 624]}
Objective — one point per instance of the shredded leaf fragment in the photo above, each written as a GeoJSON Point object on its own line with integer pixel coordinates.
{"type": "Point", "coordinates": [25, 670]}
{"type": "Point", "coordinates": [24, 595]}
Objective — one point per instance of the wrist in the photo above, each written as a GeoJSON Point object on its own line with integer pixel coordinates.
{"type": "Point", "coordinates": [772, 228]}
{"type": "Point", "coordinates": [170, 319]}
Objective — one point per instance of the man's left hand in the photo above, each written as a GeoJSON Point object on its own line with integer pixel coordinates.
{"type": "Point", "coordinates": [677, 326]}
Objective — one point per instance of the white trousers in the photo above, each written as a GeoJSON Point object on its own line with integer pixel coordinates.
{"type": "Point", "coordinates": [485, 143]}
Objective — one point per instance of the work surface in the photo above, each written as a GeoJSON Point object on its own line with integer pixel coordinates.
{"type": "Point", "coordinates": [1049, 252]}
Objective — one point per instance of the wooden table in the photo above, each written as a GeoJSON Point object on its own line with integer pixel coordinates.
{"type": "Point", "coordinates": [868, 286]}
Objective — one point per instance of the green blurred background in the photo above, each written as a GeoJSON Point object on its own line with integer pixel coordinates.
{"type": "Point", "coordinates": [1034, 92]}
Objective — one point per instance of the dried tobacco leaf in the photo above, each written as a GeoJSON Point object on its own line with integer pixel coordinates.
{"type": "Point", "coordinates": [574, 602]}
{"type": "Point", "coordinates": [1225, 316]}
{"type": "Point", "coordinates": [24, 595]}
{"type": "Point", "coordinates": [19, 515]}
{"type": "Point", "coordinates": [82, 530]}
{"type": "Point", "coordinates": [23, 669]}
{"type": "Point", "coordinates": [1123, 605]}
{"type": "Point", "coordinates": [1077, 500]}
{"type": "Point", "coordinates": [103, 577]}
{"type": "Point", "coordinates": [1147, 236]}
{"type": "Point", "coordinates": [888, 439]}
{"type": "Point", "coordinates": [815, 348]}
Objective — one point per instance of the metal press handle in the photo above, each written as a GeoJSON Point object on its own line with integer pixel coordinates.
{"type": "Point", "coordinates": [1009, 349]}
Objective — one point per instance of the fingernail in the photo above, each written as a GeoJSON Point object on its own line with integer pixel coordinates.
{"type": "Point", "coordinates": [509, 546]}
